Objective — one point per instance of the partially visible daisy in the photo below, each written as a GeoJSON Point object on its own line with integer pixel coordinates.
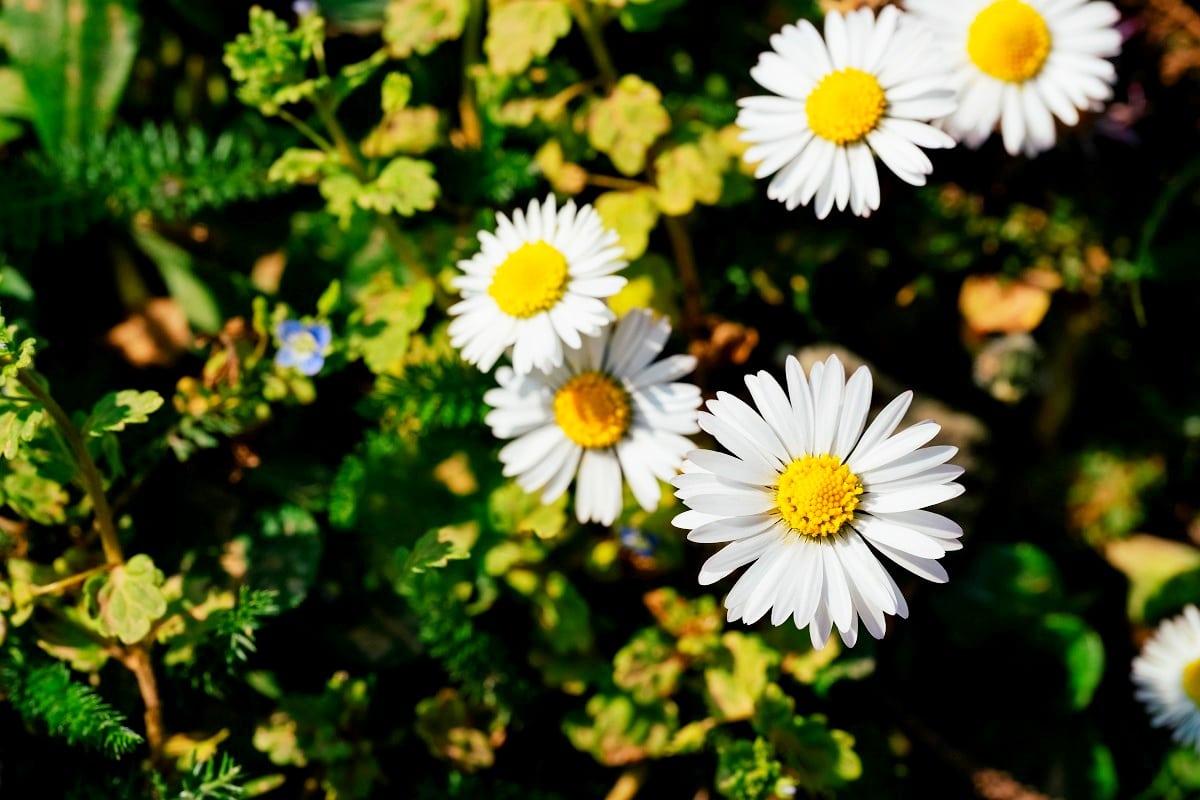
{"type": "Point", "coordinates": [1023, 62]}
{"type": "Point", "coordinates": [1167, 677]}
{"type": "Point", "coordinates": [302, 345]}
{"type": "Point", "coordinates": [610, 410]}
{"type": "Point", "coordinates": [811, 500]}
{"type": "Point", "coordinates": [537, 284]}
{"type": "Point", "coordinates": [868, 89]}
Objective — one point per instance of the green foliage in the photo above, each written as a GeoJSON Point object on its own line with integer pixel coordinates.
{"type": "Point", "coordinates": [46, 697]}
{"type": "Point", "coordinates": [117, 409]}
{"type": "Point", "coordinates": [214, 779]}
{"type": "Point", "coordinates": [74, 57]}
{"type": "Point", "coordinates": [445, 393]}
{"type": "Point", "coordinates": [238, 625]}
{"type": "Point", "coordinates": [128, 599]}
{"type": "Point", "coordinates": [748, 770]}
{"type": "Point", "coordinates": [270, 62]}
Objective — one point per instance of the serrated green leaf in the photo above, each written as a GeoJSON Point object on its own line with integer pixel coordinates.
{"type": "Point", "coordinates": [405, 186]}
{"type": "Point", "coordinates": [519, 31]}
{"type": "Point", "coordinates": [74, 57]}
{"type": "Point", "coordinates": [130, 600]}
{"type": "Point", "coordinates": [625, 124]}
{"type": "Point", "coordinates": [418, 26]}
{"type": "Point", "coordinates": [19, 423]}
{"type": "Point", "coordinates": [380, 327]}
{"type": "Point", "coordinates": [511, 510]}
{"type": "Point", "coordinates": [299, 165]}
{"type": "Point", "coordinates": [733, 687]}
{"type": "Point", "coordinates": [397, 91]}
{"type": "Point", "coordinates": [431, 551]}
{"type": "Point", "coordinates": [117, 409]}
{"type": "Point", "coordinates": [341, 191]}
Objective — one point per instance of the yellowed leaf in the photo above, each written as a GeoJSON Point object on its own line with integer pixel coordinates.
{"type": "Point", "coordinates": [632, 215]}
{"type": "Point", "coordinates": [627, 122]}
{"type": "Point", "coordinates": [993, 304]}
{"type": "Point", "coordinates": [690, 173]}
{"type": "Point", "coordinates": [418, 26]}
{"type": "Point", "coordinates": [409, 130]}
{"type": "Point", "coordinates": [519, 31]}
{"type": "Point", "coordinates": [563, 175]}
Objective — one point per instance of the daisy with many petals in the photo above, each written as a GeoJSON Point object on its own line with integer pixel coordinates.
{"type": "Point", "coordinates": [811, 496]}
{"type": "Point", "coordinates": [867, 90]}
{"type": "Point", "coordinates": [1167, 677]}
{"type": "Point", "coordinates": [1023, 62]}
{"type": "Point", "coordinates": [609, 410]}
{"type": "Point", "coordinates": [538, 285]}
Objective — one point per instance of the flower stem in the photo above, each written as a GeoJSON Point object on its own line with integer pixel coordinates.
{"type": "Point", "coordinates": [137, 657]}
{"type": "Point", "coordinates": [595, 43]}
{"type": "Point", "coordinates": [468, 111]}
{"type": "Point", "coordinates": [89, 475]}
{"type": "Point", "coordinates": [689, 277]}
{"type": "Point", "coordinates": [68, 582]}
{"type": "Point", "coordinates": [343, 146]}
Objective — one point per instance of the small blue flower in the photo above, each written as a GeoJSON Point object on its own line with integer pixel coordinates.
{"type": "Point", "coordinates": [638, 542]}
{"type": "Point", "coordinates": [302, 345]}
{"type": "Point", "coordinates": [303, 7]}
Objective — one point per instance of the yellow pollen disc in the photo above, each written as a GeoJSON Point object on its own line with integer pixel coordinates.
{"type": "Point", "coordinates": [592, 410]}
{"type": "Point", "coordinates": [845, 106]}
{"type": "Point", "coordinates": [1191, 681]}
{"type": "Point", "coordinates": [817, 495]}
{"type": "Point", "coordinates": [531, 280]}
{"type": "Point", "coordinates": [1009, 40]}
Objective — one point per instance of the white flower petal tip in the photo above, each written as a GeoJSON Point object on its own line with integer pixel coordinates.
{"type": "Point", "coordinates": [867, 91]}
{"type": "Point", "coordinates": [1019, 64]}
{"type": "Point", "coordinates": [1166, 677]}
{"type": "Point", "coordinates": [809, 496]}
{"type": "Point", "coordinates": [536, 287]}
{"type": "Point", "coordinates": [609, 415]}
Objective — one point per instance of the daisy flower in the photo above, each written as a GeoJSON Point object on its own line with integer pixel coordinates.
{"type": "Point", "coordinates": [866, 90]}
{"type": "Point", "coordinates": [538, 283]}
{"type": "Point", "coordinates": [1167, 677]}
{"type": "Point", "coordinates": [609, 410]}
{"type": "Point", "coordinates": [811, 500]}
{"type": "Point", "coordinates": [1022, 63]}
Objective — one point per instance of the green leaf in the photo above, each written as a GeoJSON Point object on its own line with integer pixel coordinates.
{"type": "Point", "coordinates": [431, 551]}
{"type": "Point", "coordinates": [74, 57]}
{"type": "Point", "coordinates": [117, 409]}
{"type": "Point", "coordinates": [270, 61]}
{"type": "Point", "coordinates": [748, 770]}
{"type": "Point", "coordinates": [733, 688]}
{"type": "Point", "coordinates": [178, 270]}
{"type": "Point", "coordinates": [511, 510]}
{"type": "Point", "coordinates": [299, 165]}
{"type": "Point", "coordinates": [14, 97]}
{"type": "Point", "coordinates": [379, 328]}
{"type": "Point", "coordinates": [646, 15]}
{"type": "Point", "coordinates": [1151, 564]}
{"type": "Point", "coordinates": [521, 30]}
{"type": "Point", "coordinates": [341, 191]}
{"type": "Point", "coordinates": [648, 666]}
{"type": "Point", "coordinates": [405, 186]}
{"type": "Point", "coordinates": [690, 173]}
{"type": "Point", "coordinates": [19, 423]}
{"type": "Point", "coordinates": [397, 91]}
{"type": "Point", "coordinates": [1082, 652]}
{"type": "Point", "coordinates": [129, 599]}
{"type": "Point", "coordinates": [418, 26]}
{"type": "Point", "coordinates": [627, 122]}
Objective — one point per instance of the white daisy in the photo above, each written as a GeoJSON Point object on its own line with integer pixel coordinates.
{"type": "Point", "coordinates": [1020, 61]}
{"type": "Point", "coordinates": [608, 410]}
{"type": "Point", "coordinates": [1167, 677]}
{"type": "Point", "coordinates": [537, 283]}
{"type": "Point", "coordinates": [805, 491]}
{"type": "Point", "coordinates": [867, 90]}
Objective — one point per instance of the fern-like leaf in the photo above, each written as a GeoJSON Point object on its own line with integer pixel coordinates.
{"type": "Point", "coordinates": [238, 625]}
{"type": "Point", "coordinates": [214, 779]}
{"type": "Point", "coordinates": [45, 694]}
{"type": "Point", "coordinates": [444, 394]}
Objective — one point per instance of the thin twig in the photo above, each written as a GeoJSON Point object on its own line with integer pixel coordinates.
{"type": "Point", "coordinates": [88, 474]}
{"type": "Point", "coordinates": [468, 111]}
{"type": "Point", "coordinates": [689, 277]}
{"type": "Point", "coordinates": [595, 43]}
{"type": "Point", "coordinates": [68, 582]}
{"type": "Point", "coordinates": [613, 182]}
{"type": "Point", "coordinates": [629, 784]}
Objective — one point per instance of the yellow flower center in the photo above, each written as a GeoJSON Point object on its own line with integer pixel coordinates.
{"type": "Point", "coordinates": [817, 495]}
{"type": "Point", "coordinates": [1009, 40]}
{"type": "Point", "coordinates": [845, 106]}
{"type": "Point", "coordinates": [1191, 681]}
{"type": "Point", "coordinates": [531, 280]}
{"type": "Point", "coordinates": [592, 410]}
{"type": "Point", "coordinates": [303, 343]}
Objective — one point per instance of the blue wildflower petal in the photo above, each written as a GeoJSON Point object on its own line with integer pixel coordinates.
{"type": "Point", "coordinates": [288, 328]}
{"type": "Point", "coordinates": [286, 357]}
{"type": "Point", "coordinates": [320, 331]}
{"type": "Point", "coordinates": [312, 364]}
